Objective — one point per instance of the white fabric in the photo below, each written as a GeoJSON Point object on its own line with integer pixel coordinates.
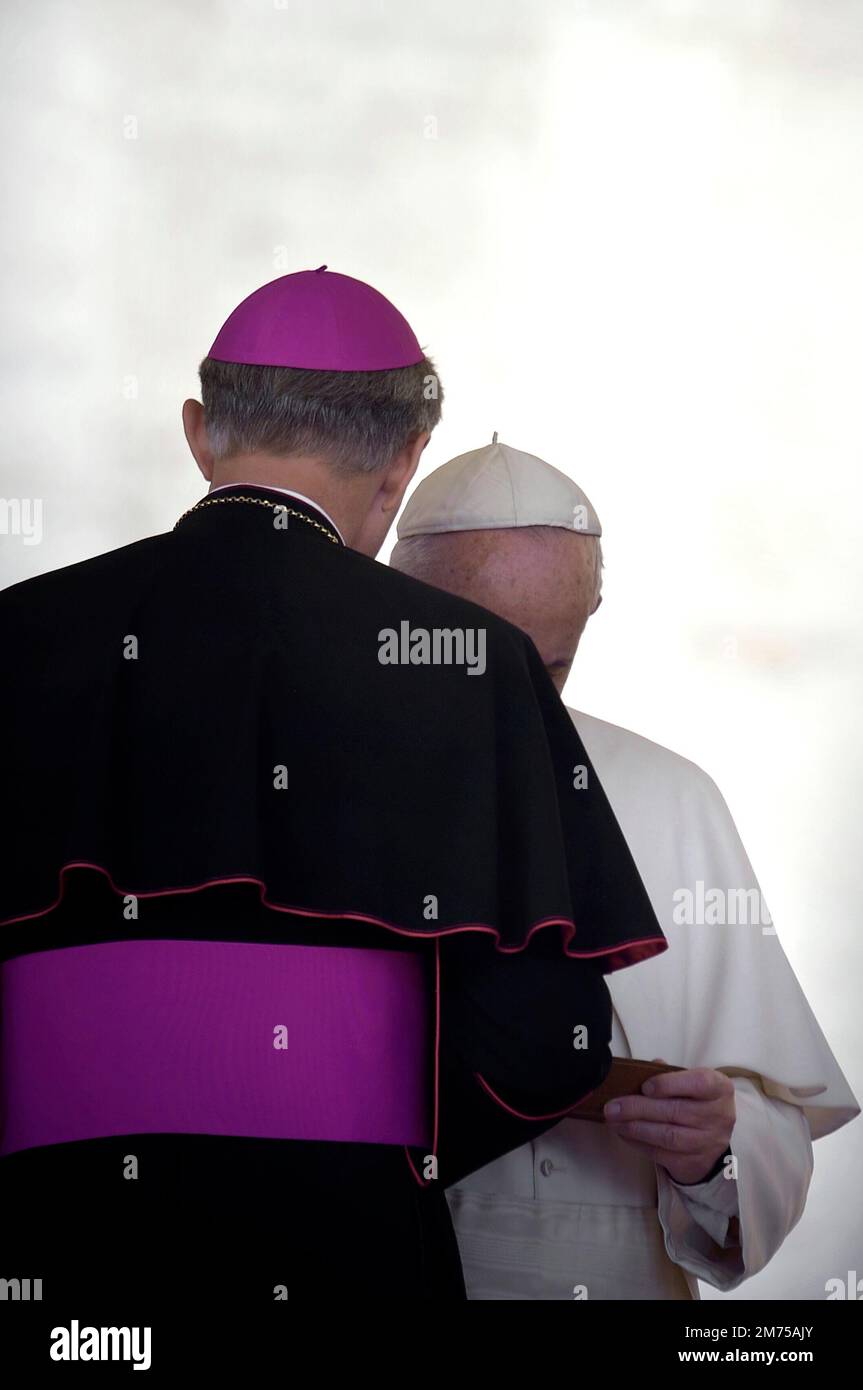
{"type": "Point", "coordinates": [772, 1145]}
{"type": "Point", "coordinates": [575, 1207]}
{"type": "Point", "coordinates": [515, 1249]}
{"type": "Point", "coordinates": [496, 488]}
{"type": "Point", "coordinates": [721, 995]}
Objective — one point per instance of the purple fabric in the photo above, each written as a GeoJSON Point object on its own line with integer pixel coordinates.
{"type": "Point", "coordinates": [317, 319]}
{"type": "Point", "coordinates": [144, 1037]}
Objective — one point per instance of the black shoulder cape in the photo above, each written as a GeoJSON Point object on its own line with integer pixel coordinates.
{"type": "Point", "coordinates": [210, 706]}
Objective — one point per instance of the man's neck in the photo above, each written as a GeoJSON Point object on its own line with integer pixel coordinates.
{"type": "Point", "coordinates": [343, 501]}
{"type": "Point", "coordinates": [286, 492]}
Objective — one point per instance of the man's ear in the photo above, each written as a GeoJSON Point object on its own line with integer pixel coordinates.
{"type": "Point", "coordinates": [400, 472]}
{"type": "Point", "coordinates": [197, 438]}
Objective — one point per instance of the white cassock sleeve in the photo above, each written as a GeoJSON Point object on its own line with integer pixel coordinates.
{"type": "Point", "coordinates": [723, 1231]}
{"type": "Point", "coordinates": [723, 995]}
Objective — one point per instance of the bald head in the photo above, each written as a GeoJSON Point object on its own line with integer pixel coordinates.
{"type": "Point", "coordinates": [543, 579]}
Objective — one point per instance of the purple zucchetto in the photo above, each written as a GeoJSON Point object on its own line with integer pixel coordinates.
{"type": "Point", "coordinates": [318, 320]}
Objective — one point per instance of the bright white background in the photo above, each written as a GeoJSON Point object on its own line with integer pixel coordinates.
{"type": "Point", "coordinates": [630, 233]}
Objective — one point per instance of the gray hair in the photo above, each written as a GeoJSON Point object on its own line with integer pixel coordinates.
{"type": "Point", "coordinates": [357, 421]}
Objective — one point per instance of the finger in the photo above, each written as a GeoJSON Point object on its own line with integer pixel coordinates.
{"type": "Point", "coordinates": [693, 1114]}
{"type": "Point", "coordinates": [675, 1139]}
{"type": "Point", "coordinates": [700, 1083]}
{"type": "Point", "coordinates": [667, 1160]}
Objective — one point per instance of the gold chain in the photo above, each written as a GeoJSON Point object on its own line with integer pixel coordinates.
{"type": "Point", "coordinates": [261, 502]}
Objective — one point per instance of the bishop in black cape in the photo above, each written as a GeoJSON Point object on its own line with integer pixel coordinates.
{"type": "Point", "coordinates": [292, 937]}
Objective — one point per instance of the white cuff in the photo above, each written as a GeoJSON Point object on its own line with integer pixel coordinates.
{"type": "Point", "coordinates": [696, 1234]}
{"type": "Point", "coordinates": [773, 1149]}
{"type": "Point", "coordinates": [712, 1205]}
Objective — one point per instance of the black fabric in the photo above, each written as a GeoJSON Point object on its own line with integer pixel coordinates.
{"type": "Point", "coordinates": [258, 648]}
{"type": "Point", "coordinates": [426, 810]}
{"type": "Point", "coordinates": [508, 1019]}
{"type": "Point", "coordinates": [209, 1218]}
{"type": "Point", "coordinates": [223, 1221]}
{"type": "Point", "coordinates": [508, 1047]}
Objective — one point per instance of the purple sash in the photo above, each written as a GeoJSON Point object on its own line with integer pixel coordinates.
{"type": "Point", "coordinates": [187, 1037]}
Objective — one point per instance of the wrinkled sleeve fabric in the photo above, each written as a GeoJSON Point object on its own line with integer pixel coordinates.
{"type": "Point", "coordinates": [725, 1230]}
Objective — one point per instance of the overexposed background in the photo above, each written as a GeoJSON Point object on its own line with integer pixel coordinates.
{"type": "Point", "coordinates": [630, 233]}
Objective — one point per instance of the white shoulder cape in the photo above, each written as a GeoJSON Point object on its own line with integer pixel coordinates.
{"type": "Point", "coordinates": [722, 995]}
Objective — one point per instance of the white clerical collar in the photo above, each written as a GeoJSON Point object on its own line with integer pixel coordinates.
{"type": "Point", "coordinates": [289, 492]}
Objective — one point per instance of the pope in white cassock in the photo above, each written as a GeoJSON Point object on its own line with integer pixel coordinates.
{"type": "Point", "coordinates": [715, 1165]}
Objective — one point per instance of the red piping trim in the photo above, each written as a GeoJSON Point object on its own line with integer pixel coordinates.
{"type": "Point", "coordinates": [615, 951]}
{"type": "Point", "coordinates": [436, 1044]}
{"type": "Point", "coordinates": [423, 1182]}
{"type": "Point", "coordinates": [554, 1115]}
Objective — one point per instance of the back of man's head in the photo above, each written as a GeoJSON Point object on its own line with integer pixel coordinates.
{"type": "Point", "coordinates": [355, 421]}
{"type": "Point", "coordinates": [472, 527]}
{"type": "Point", "coordinates": [317, 381]}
